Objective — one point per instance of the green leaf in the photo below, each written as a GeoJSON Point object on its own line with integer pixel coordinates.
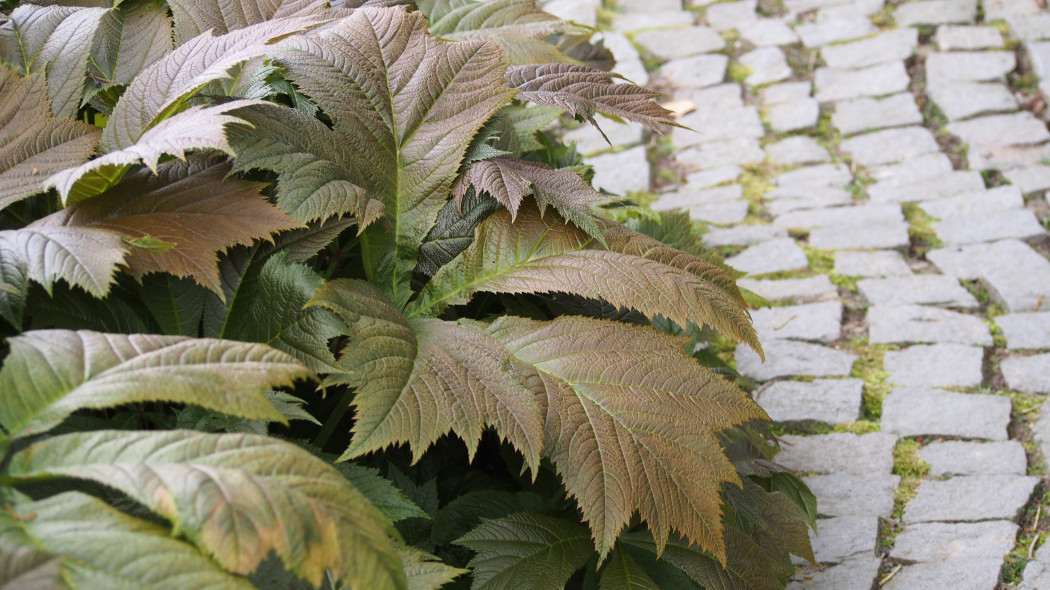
{"type": "Point", "coordinates": [70, 308]}
{"type": "Point", "coordinates": [49, 374]}
{"type": "Point", "coordinates": [425, 571]}
{"type": "Point", "coordinates": [794, 489]}
{"type": "Point", "coordinates": [196, 17]}
{"type": "Point", "coordinates": [290, 407]}
{"type": "Point", "coordinates": [176, 304]}
{"type": "Point", "coordinates": [381, 492]}
{"type": "Point", "coordinates": [286, 500]}
{"type": "Point", "coordinates": [28, 568]}
{"type": "Point", "coordinates": [453, 231]}
{"type": "Point", "coordinates": [83, 257]}
{"type": "Point", "coordinates": [623, 573]}
{"type": "Point", "coordinates": [526, 551]}
{"type": "Point", "coordinates": [418, 379]}
{"type": "Point", "coordinates": [528, 120]}
{"type": "Point", "coordinates": [130, 38]}
{"type": "Point", "coordinates": [466, 511]}
{"type": "Point", "coordinates": [96, 546]}
{"type": "Point", "coordinates": [409, 115]}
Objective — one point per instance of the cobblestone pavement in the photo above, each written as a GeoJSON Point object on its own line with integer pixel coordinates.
{"type": "Point", "coordinates": [881, 170]}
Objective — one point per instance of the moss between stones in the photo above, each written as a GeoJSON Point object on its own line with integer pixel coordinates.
{"type": "Point", "coordinates": [869, 368]}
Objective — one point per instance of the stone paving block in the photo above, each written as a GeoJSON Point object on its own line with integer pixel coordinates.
{"type": "Point", "coordinates": [890, 145]}
{"type": "Point", "coordinates": [829, 401]}
{"type": "Point", "coordinates": [970, 498]}
{"type": "Point", "coordinates": [1026, 330]}
{"type": "Point", "coordinates": [696, 72]}
{"type": "Point", "coordinates": [741, 151]}
{"type": "Point", "coordinates": [649, 5]}
{"type": "Point", "coordinates": [937, 365]}
{"type": "Point", "coordinates": [767, 64]}
{"type": "Point", "coordinates": [711, 125]}
{"type": "Point", "coordinates": [1004, 157]}
{"type": "Point", "coordinates": [971, 574]}
{"type": "Point", "coordinates": [1036, 576]}
{"type": "Point", "coordinates": [913, 170]}
{"type": "Point", "coordinates": [846, 494]}
{"type": "Point", "coordinates": [851, 9]}
{"type": "Point", "coordinates": [890, 46]}
{"type": "Point", "coordinates": [742, 235]}
{"type": "Point", "coordinates": [1021, 285]}
{"type": "Point", "coordinates": [955, 543]}
{"type": "Point", "coordinates": [961, 100]}
{"type": "Point", "coordinates": [837, 452]}
{"type": "Point", "coordinates": [844, 536]}
{"type": "Point", "coordinates": [1027, 373]}
{"type": "Point", "coordinates": [1000, 130]}
{"type": "Point", "coordinates": [729, 15]}
{"type": "Point", "coordinates": [1039, 57]}
{"type": "Point", "coordinates": [722, 213]}
{"type": "Point", "coordinates": [622, 171]}
{"type": "Point", "coordinates": [764, 32]}
{"type": "Point", "coordinates": [1031, 28]}
{"type": "Point", "coordinates": [628, 62]}
{"type": "Point", "coordinates": [881, 263]}
{"type": "Point", "coordinates": [771, 256]}
{"type": "Point", "coordinates": [783, 200]}
{"type": "Point", "coordinates": [854, 573]}
{"type": "Point", "coordinates": [987, 201]}
{"type": "Point", "coordinates": [863, 114]}
{"type": "Point", "coordinates": [785, 92]}
{"type": "Point", "coordinates": [642, 21]}
{"type": "Point", "coordinates": [792, 116]}
{"type": "Point", "coordinates": [815, 288]}
{"type": "Point", "coordinates": [823, 32]}
{"type": "Point", "coordinates": [1032, 180]}
{"type": "Point", "coordinates": [968, 38]}
{"type": "Point", "coordinates": [822, 175]}
{"type": "Point", "coordinates": [922, 289]}
{"type": "Point", "coordinates": [988, 226]}
{"type": "Point", "coordinates": [1000, 9]}
{"type": "Point", "coordinates": [797, 149]}
{"type": "Point", "coordinates": [589, 140]}
{"type": "Point", "coordinates": [860, 236]}
{"type": "Point", "coordinates": [915, 411]}
{"type": "Point", "coordinates": [580, 12]}
{"type": "Point", "coordinates": [713, 176]}
{"type": "Point", "coordinates": [944, 185]}
{"type": "Point", "coordinates": [935, 12]}
{"type": "Point", "coordinates": [956, 457]}
{"type": "Point", "coordinates": [912, 324]}
{"type": "Point", "coordinates": [786, 358]}
{"type": "Point", "coordinates": [683, 42]}
{"type": "Point", "coordinates": [877, 213]}
{"type": "Point", "coordinates": [816, 322]}
{"type": "Point", "coordinates": [796, 6]}
{"type": "Point", "coordinates": [969, 66]}
{"type": "Point", "coordinates": [721, 97]}
{"type": "Point", "coordinates": [689, 197]}
{"type": "Point", "coordinates": [839, 84]}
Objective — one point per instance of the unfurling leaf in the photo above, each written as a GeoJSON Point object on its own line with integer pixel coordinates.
{"type": "Point", "coordinates": [419, 379]}
{"type": "Point", "coordinates": [453, 231]}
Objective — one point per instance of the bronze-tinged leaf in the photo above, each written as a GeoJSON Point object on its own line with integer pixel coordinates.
{"type": "Point", "coordinates": [632, 424]}
{"type": "Point", "coordinates": [583, 90]}
{"type": "Point", "coordinates": [405, 106]}
{"type": "Point", "coordinates": [33, 144]}
{"type": "Point", "coordinates": [419, 379]}
{"type": "Point", "coordinates": [188, 204]}
{"type": "Point", "coordinates": [82, 256]}
{"type": "Point", "coordinates": [130, 38]}
{"type": "Point", "coordinates": [195, 17]}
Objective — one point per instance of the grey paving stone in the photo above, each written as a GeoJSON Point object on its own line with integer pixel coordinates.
{"type": "Point", "coordinates": [971, 574]}
{"type": "Point", "coordinates": [876, 213]}
{"type": "Point", "coordinates": [796, 6]}
{"type": "Point", "coordinates": [622, 171]}
{"type": "Point", "coordinates": [710, 125]}
{"type": "Point", "coordinates": [729, 15]}
{"type": "Point", "coordinates": [1021, 285]}
{"type": "Point", "coordinates": [969, 66]}
{"type": "Point", "coordinates": [956, 457]}
{"type": "Point", "coordinates": [1000, 130]}
{"type": "Point", "coordinates": [890, 46]}
{"type": "Point", "coordinates": [786, 358]}
{"type": "Point", "coordinates": [823, 32]}
{"type": "Point", "coordinates": [805, 289]}
{"type": "Point", "coordinates": [1032, 180]}
{"type": "Point", "coordinates": [1036, 576]}
{"type": "Point", "coordinates": [722, 213]}
{"type": "Point", "coordinates": [1039, 57]}
{"type": "Point", "coordinates": [961, 100]}
{"type": "Point", "coordinates": [767, 65]}
{"type": "Point", "coordinates": [995, 199]}
{"type": "Point", "coordinates": [854, 573]}
{"type": "Point", "coordinates": [881, 234]}
{"type": "Point", "coordinates": [822, 175]}
{"type": "Point", "coordinates": [890, 145]}
{"type": "Point", "coordinates": [915, 411]}
{"type": "Point", "coordinates": [935, 12]}
{"type": "Point", "coordinates": [797, 149]}
{"type": "Point", "coordinates": [912, 324]}
{"type": "Point", "coordinates": [1027, 373]}
{"type": "Point", "coordinates": [785, 92]}
{"type": "Point", "coordinates": [696, 72]}
{"type": "Point", "coordinates": [580, 12]}
{"type": "Point", "coordinates": [936, 365]}
{"type": "Point", "coordinates": [1030, 28]}
{"type": "Point", "coordinates": [970, 498]}
{"type": "Point", "coordinates": [742, 235]}
{"type": "Point", "coordinates": [922, 289]}
{"type": "Point", "coordinates": [838, 452]}
{"type": "Point", "coordinates": [764, 32]}
{"type": "Point", "coordinates": [970, 228]}
{"type": "Point", "coordinates": [968, 38]}
{"type": "Point", "coordinates": [713, 176]}
{"type": "Point", "coordinates": [829, 401]}
{"type": "Point", "coordinates": [628, 62]}
{"type": "Point", "coordinates": [721, 97]}
{"type": "Point", "coordinates": [846, 494]}
{"type": "Point", "coordinates": [1000, 9]}
{"type": "Point", "coordinates": [771, 256]}
{"type": "Point", "coordinates": [783, 200]}
{"type": "Point", "coordinates": [1004, 157]}
{"type": "Point", "coordinates": [955, 543]}
{"type": "Point", "coordinates": [642, 21]}
{"type": "Point", "coordinates": [816, 322]}
{"type": "Point", "coordinates": [881, 263]}
{"type": "Point", "coordinates": [863, 114]}
{"type": "Point", "coordinates": [689, 197]}
{"type": "Point", "coordinates": [912, 170]}
{"type": "Point", "coordinates": [1026, 330]}
{"type": "Point", "coordinates": [589, 140]}
{"type": "Point", "coordinates": [844, 536]}
{"type": "Point", "coordinates": [839, 84]}
{"type": "Point", "coordinates": [935, 187]}
{"type": "Point", "coordinates": [683, 42]}
{"type": "Point", "coordinates": [741, 150]}
{"type": "Point", "coordinates": [793, 116]}
{"type": "Point", "coordinates": [649, 5]}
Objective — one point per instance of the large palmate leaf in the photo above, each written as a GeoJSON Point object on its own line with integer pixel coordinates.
{"type": "Point", "coordinates": [190, 206]}
{"type": "Point", "coordinates": [55, 40]}
{"type": "Point", "coordinates": [623, 573]}
{"type": "Point", "coordinates": [33, 145]}
{"type": "Point", "coordinates": [236, 497]}
{"type": "Point", "coordinates": [405, 105]}
{"type": "Point", "coordinates": [195, 17]}
{"type": "Point", "coordinates": [466, 512]}
{"type": "Point", "coordinates": [50, 374]}
{"type": "Point", "coordinates": [632, 424]}
{"type": "Point", "coordinates": [130, 38]}
{"type": "Point", "coordinates": [526, 551]}
{"type": "Point", "coordinates": [543, 255]}
{"type": "Point", "coordinates": [419, 379]}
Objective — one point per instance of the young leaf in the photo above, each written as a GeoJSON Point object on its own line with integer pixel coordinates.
{"type": "Point", "coordinates": [287, 500]}
{"type": "Point", "coordinates": [526, 551]}
{"type": "Point", "coordinates": [49, 374]}
{"type": "Point", "coordinates": [130, 38]}
{"type": "Point", "coordinates": [425, 571]}
{"type": "Point", "coordinates": [405, 105]}
{"type": "Point", "coordinates": [527, 121]}
{"type": "Point", "coordinates": [418, 379]}
{"type": "Point", "coordinates": [466, 511]}
{"type": "Point", "coordinates": [453, 231]}
{"type": "Point", "coordinates": [623, 573]}
{"type": "Point", "coordinates": [34, 145]}
{"type": "Point", "coordinates": [381, 492]}
{"type": "Point", "coordinates": [632, 424]}
{"type": "Point", "coordinates": [191, 205]}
